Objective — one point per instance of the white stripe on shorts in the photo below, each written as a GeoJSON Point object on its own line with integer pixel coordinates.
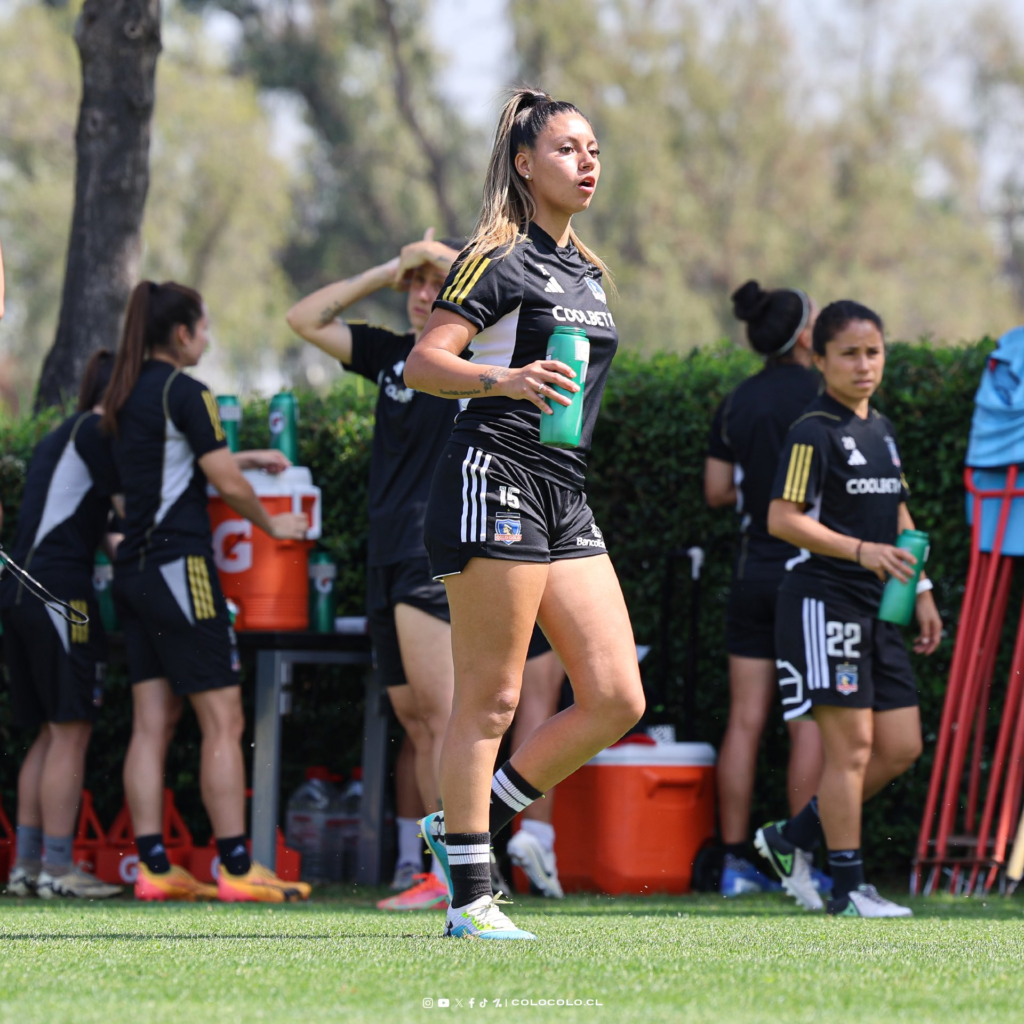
{"type": "Point", "coordinates": [822, 646]}
{"type": "Point", "coordinates": [465, 492]}
{"type": "Point", "coordinates": [483, 499]}
{"type": "Point", "coordinates": [810, 661]}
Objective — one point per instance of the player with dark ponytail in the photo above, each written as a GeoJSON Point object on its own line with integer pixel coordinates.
{"type": "Point", "coordinates": [56, 669]}
{"type": "Point", "coordinates": [508, 527]}
{"type": "Point", "coordinates": [746, 437]}
{"type": "Point", "coordinates": [168, 444]}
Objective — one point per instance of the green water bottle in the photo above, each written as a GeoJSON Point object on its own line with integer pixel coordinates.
{"type": "Point", "coordinates": [322, 602]}
{"type": "Point", "coordinates": [562, 429]}
{"type": "Point", "coordinates": [230, 418]}
{"type": "Point", "coordinates": [899, 599]}
{"type": "Point", "coordinates": [284, 425]}
{"type": "Point", "coordinates": [102, 580]}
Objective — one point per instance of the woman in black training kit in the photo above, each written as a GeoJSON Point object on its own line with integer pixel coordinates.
{"type": "Point", "coordinates": [168, 443]}
{"type": "Point", "coordinates": [747, 435]}
{"type": "Point", "coordinates": [56, 669]}
{"type": "Point", "coordinates": [841, 497]}
{"type": "Point", "coordinates": [508, 528]}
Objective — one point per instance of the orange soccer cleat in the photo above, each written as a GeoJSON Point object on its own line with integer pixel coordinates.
{"type": "Point", "coordinates": [429, 893]}
{"type": "Point", "coordinates": [176, 884]}
{"type": "Point", "coordinates": [259, 885]}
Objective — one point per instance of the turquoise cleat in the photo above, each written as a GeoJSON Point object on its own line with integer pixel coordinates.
{"type": "Point", "coordinates": [432, 831]}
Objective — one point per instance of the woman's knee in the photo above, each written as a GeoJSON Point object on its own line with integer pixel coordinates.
{"type": "Point", "coordinates": [493, 714]}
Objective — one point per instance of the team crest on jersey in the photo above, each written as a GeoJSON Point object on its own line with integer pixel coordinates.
{"type": "Point", "coordinates": [890, 443]}
{"type": "Point", "coordinates": [846, 679]}
{"type": "Point", "coordinates": [508, 530]}
{"type": "Point", "coordinates": [595, 287]}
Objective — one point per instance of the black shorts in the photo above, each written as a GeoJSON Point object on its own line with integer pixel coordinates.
{"type": "Point", "coordinates": [750, 619]}
{"type": "Point", "coordinates": [483, 506]}
{"type": "Point", "coordinates": [56, 670]}
{"type": "Point", "coordinates": [407, 582]}
{"type": "Point", "coordinates": [176, 626]}
{"type": "Point", "coordinates": [827, 654]}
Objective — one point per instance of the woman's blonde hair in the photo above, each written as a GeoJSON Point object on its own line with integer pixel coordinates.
{"type": "Point", "coordinates": [508, 206]}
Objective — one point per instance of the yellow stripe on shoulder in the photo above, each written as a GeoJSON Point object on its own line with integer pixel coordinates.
{"type": "Point", "coordinates": [453, 289]}
{"type": "Point", "coordinates": [805, 472]}
{"type": "Point", "coordinates": [211, 408]}
{"type": "Point", "coordinates": [484, 263]}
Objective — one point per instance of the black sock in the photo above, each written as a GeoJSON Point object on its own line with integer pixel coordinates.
{"type": "Point", "coordinates": [804, 828]}
{"type": "Point", "coordinates": [153, 853]}
{"type": "Point", "coordinates": [510, 794]}
{"type": "Point", "coordinates": [737, 850]}
{"type": "Point", "coordinates": [234, 855]}
{"type": "Point", "coordinates": [469, 861]}
{"type": "Point", "coordinates": [847, 870]}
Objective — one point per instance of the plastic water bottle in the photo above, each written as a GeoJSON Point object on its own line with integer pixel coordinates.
{"type": "Point", "coordinates": [899, 599]}
{"type": "Point", "coordinates": [351, 809]}
{"type": "Point", "coordinates": [563, 428]}
{"type": "Point", "coordinates": [306, 821]}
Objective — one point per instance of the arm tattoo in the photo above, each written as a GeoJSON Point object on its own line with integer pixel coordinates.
{"type": "Point", "coordinates": [330, 313]}
{"type": "Point", "coordinates": [491, 378]}
{"type": "Point", "coordinates": [460, 394]}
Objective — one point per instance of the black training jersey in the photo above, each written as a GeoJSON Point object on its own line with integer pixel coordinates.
{"type": "Point", "coordinates": [848, 472]}
{"type": "Point", "coordinates": [410, 431]}
{"type": "Point", "coordinates": [168, 423]}
{"type": "Point", "coordinates": [65, 505]}
{"type": "Point", "coordinates": [748, 430]}
{"type": "Point", "coordinates": [516, 302]}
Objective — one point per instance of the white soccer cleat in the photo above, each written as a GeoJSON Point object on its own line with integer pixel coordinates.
{"type": "Point", "coordinates": [482, 919]}
{"type": "Point", "coordinates": [24, 880]}
{"type": "Point", "coordinates": [526, 851]}
{"type": "Point", "coordinates": [864, 901]}
{"type": "Point", "coordinates": [76, 884]}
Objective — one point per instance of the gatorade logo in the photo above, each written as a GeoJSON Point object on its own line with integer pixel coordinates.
{"type": "Point", "coordinates": [128, 869]}
{"type": "Point", "coordinates": [873, 485]}
{"type": "Point", "coordinates": [231, 552]}
{"type": "Point", "coordinates": [277, 422]}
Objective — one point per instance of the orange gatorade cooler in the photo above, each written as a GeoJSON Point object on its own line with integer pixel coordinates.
{"type": "Point", "coordinates": [267, 579]}
{"type": "Point", "coordinates": [632, 819]}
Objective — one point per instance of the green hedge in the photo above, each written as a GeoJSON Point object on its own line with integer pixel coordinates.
{"type": "Point", "coordinates": [645, 485]}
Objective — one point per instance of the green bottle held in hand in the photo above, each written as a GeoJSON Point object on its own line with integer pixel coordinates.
{"type": "Point", "coordinates": [899, 599]}
{"type": "Point", "coordinates": [563, 428]}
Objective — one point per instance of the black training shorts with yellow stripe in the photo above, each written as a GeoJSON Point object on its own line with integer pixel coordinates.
{"type": "Point", "coordinates": [177, 627]}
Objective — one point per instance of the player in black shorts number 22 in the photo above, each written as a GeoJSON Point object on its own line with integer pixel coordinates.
{"type": "Point", "coordinates": [508, 527]}
{"type": "Point", "coordinates": [841, 497]}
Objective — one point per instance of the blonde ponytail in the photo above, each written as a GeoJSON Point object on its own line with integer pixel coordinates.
{"type": "Point", "coordinates": [508, 207]}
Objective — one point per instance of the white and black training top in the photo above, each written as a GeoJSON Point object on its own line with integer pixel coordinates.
{"type": "Point", "coordinates": [516, 301]}
{"type": "Point", "coordinates": [848, 473]}
{"type": "Point", "coordinates": [64, 507]}
{"type": "Point", "coordinates": [168, 423]}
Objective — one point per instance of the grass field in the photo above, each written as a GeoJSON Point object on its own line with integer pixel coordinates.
{"type": "Point", "coordinates": [698, 959]}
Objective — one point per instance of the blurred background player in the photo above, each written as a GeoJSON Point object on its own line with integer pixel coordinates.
{"type": "Point", "coordinates": [840, 495]}
{"type": "Point", "coordinates": [747, 435]}
{"type": "Point", "coordinates": [532, 848]}
{"type": "Point", "coordinates": [508, 527]}
{"type": "Point", "coordinates": [168, 443]}
{"type": "Point", "coordinates": [407, 609]}
{"type": "Point", "coordinates": [56, 669]}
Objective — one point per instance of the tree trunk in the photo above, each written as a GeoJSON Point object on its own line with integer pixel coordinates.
{"type": "Point", "coordinates": [119, 42]}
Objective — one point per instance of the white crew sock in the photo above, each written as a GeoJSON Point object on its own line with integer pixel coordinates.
{"type": "Point", "coordinates": [542, 831]}
{"type": "Point", "coordinates": [435, 867]}
{"type": "Point", "coordinates": [410, 846]}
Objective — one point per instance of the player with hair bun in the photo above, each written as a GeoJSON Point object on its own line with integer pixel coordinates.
{"type": "Point", "coordinates": [747, 435]}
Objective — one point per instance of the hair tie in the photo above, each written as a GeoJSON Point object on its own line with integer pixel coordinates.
{"type": "Point", "coordinates": [805, 315]}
